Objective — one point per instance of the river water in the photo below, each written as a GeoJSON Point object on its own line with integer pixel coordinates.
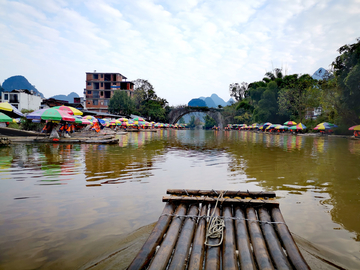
{"type": "Point", "coordinates": [63, 206]}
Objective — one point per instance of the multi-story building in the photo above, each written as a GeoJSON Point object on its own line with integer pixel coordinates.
{"type": "Point", "coordinates": [100, 87]}
{"type": "Point", "coordinates": [22, 99]}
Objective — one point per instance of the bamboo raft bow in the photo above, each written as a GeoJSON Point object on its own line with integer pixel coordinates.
{"type": "Point", "coordinates": [212, 229]}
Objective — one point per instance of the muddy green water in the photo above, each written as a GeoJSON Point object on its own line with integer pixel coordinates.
{"type": "Point", "coordinates": [63, 206]}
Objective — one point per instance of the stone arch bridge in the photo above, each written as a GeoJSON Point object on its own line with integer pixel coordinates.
{"type": "Point", "coordinates": [176, 114]}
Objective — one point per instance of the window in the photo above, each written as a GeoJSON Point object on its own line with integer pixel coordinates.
{"type": "Point", "coordinates": [6, 96]}
{"type": "Point", "coordinates": [101, 93]}
{"type": "Point", "coordinates": [106, 102]}
{"type": "Point", "coordinates": [102, 84]}
{"type": "Point", "coordinates": [89, 83]}
{"type": "Point", "coordinates": [102, 76]}
{"type": "Point", "coordinates": [96, 85]}
{"type": "Point", "coordinates": [89, 92]}
{"type": "Point", "coordinates": [95, 76]}
{"type": "Point", "coordinates": [95, 102]}
{"type": "Point", "coordinates": [96, 94]}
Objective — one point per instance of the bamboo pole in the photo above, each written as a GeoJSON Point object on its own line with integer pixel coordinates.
{"type": "Point", "coordinates": [181, 254]}
{"type": "Point", "coordinates": [229, 250]}
{"type": "Point", "coordinates": [261, 254]}
{"type": "Point", "coordinates": [198, 248]}
{"type": "Point", "coordinates": [275, 249]}
{"type": "Point", "coordinates": [212, 261]}
{"type": "Point", "coordinates": [148, 249]}
{"type": "Point", "coordinates": [243, 242]}
{"type": "Point", "coordinates": [162, 257]}
{"type": "Point", "coordinates": [183, 199]}
{"type": "Point", "coordinates": [229, 193]}
{"type": "Point", "coordinates": [288, 242]}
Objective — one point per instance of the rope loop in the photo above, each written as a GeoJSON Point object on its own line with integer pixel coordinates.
{"type": "Point", "coordinates": [215, 228]}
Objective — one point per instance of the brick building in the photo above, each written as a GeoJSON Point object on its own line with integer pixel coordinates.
{"type": "Point", "coordinates": [100, 87]}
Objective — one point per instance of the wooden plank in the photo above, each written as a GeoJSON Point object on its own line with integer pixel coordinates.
{"type": "Point", "coordinates": [183, 199]}
{"type": "Point", "coordinates": [230, 193]}
{"type": "Point", "coordinates": [261, 254]}
{"type": "Point", "coordinates": [162, 257]}
{"type": "Point", "coordinates": [212, 261]}
{"type": "Point", "coordinates": [272, 241]}
{"type": "Point", "coordinates": [243, 242]}
{"type": "Point", "coordinates": [198, 248]}
{"type": "Point", "coordinates": [294, 254]}
{"type": "Point", "coordinates": [147, 251]}
{"type": "Point", "coordinates": [229, 251]}
{"type": "Point", "coordinates": [181, 254]}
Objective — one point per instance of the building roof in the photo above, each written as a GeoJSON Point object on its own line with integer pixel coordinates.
{"type": "Point", "coordinates": [107, 73]}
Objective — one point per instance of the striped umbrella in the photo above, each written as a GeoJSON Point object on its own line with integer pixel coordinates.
{"type": "Point", "coordinates": [70, 110]}
{"type": "Point", "coordinates": [4, 118]}
{"type": "Point", "coordinates": [300, 126]}
{"type": "Point", "coordinates": [57, 115]}
{"type": "Point", "coordinates": [355, 127]}
{"type": "Point", "coordinates": [10, 110]}
{"type": "Point", "coordinates": [290, 123]}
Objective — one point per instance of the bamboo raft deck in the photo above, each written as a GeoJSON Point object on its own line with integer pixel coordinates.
{"type": "Point", "coordinates": [255, 235]}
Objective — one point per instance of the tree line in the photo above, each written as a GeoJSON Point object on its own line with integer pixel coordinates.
{"type": "Point", "coordinates": [278, 97]}
{"type": "Point", "coordinates": [144, 102]}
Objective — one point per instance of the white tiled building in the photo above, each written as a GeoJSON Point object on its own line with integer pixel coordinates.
{"type": "Point", "coordinates": [22, 99]}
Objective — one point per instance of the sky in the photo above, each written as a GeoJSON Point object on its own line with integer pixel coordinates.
{"type": "Point", "coordinates": [184, 48]}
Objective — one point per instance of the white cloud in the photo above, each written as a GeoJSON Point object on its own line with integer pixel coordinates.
{"type": "Point", "coordinates": [186, 49]}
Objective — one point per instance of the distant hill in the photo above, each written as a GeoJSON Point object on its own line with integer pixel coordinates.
{"type": "Point", "coordinates": [321, 74]}
{"type": "Point", "coordinates": [214, 101]}
{"type": "Point", "coordinates": [210, 102]}
{"type": "Point", "coordinates": [197, 102]}
{"type": "Point", "coordinates": [19, 82]}
{"type": "Point", "coordinates": [70, 97]}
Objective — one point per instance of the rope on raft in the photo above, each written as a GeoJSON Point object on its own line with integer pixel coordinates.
{"type": "Point", "coordinates": [215, 228]}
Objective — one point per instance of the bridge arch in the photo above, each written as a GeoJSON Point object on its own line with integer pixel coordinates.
{"type": "Point", "coordinates": [176, 114]}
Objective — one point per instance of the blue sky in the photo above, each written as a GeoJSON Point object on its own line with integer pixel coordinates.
{"type": "Point", "coordinates": [186, 49]}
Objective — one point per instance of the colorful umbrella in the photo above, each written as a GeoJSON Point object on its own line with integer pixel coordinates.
{"type": "Point", "coordinates": [36, 115]}
{"type": "Point", "coordinates": [281, 127]}
{"type": "Point", "coordinates": [122, 119]}
{"type": "Point", "coordinates": [4, 118]}
{"type": "Point", "coordinates": [10, 110]}
{"type": "Point", "coordinates": [290, 123]}
{"type": "Point", "coordinates": [69, 110]}
{"type": "Point", "coordinates": [355, 127]}
{"type": "Point", "coordinates": [57, 115]}
{"type": "Point", "coordinates": [325, 126]}
{"type": "Point", "coordinates": [138, 119]}
{"type": "Point", "coordinates": [300, 126]}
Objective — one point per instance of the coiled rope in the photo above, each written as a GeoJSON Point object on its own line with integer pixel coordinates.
{"type": "Point", "coordinates": [215, 228]}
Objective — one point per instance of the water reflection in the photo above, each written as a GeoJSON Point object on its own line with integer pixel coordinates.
{"type": "Point", "coordinates": [58, 198]}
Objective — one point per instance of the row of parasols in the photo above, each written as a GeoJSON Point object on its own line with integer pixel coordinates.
{"type": "Point", "coordinates": [289, 125]}
{"type": "Point", "coordinates": [70, 114]}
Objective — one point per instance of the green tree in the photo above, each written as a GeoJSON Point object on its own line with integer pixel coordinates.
{"type": "Point", "coordinates": [192, 122]}
{"type": "Point", "coordinates": [209, 122]}
{"type": "Point", "coordinates": [147, 103]}
{"type": "Point", "coordinates": [297, 96]}
{"type": "Point", "coordinates": [238, 91]}
{"type": "Point", "coordinates": [347, 72]}
{"type": "Point", "coordinates": [182, 120]}
{"type": "Point", "coordinates": [121, 103]}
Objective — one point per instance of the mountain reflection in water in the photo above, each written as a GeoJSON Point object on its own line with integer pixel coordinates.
{"type": "Point", "coordinates": [65, 205]}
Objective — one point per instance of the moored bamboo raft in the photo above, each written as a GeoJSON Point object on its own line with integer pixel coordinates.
{"type": "Point", "coordinates": [252, 233]}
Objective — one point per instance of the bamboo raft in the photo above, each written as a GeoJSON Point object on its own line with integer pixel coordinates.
{"type": "Point", "coordinates": [255, 235]}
